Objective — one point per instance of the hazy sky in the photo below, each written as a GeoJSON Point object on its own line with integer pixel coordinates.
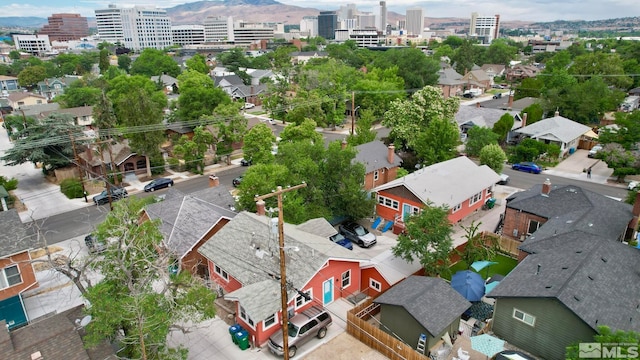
{"type": "Point", "coordinates": [509, 10]}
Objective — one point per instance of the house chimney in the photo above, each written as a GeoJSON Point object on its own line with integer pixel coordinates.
{"type": "Point", "coordinates": [546, 187]}
{"type": "Point", "coordinates": [391, 153]}
{"type": "Point", "coordinates": [344, 144]}
{"type": "Point", "coordinates": [36, 356]}
{"type": "Point", "coordinates": [478, 104]}
{"type": "Point", "coordinates": [213, 181]}
{"type": "Point", "coordinates": [636, 206]}
{"type": "Point", "coordinates": [260, 208]}
{"type": "Point", "coordinates": [524, 120]}
{"type": "Point", "coordinates": [557, 113]}
{"type": "Point", "coordinates": [510, 104]}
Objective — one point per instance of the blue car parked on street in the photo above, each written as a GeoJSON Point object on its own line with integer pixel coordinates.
{"type": "Point", "coordinates": [527, 167]}
{"type": "Point", "coordinates": [342, 241]}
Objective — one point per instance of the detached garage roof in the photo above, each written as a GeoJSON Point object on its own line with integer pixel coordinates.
{"type": "Point", "coordinates": [447, 183]}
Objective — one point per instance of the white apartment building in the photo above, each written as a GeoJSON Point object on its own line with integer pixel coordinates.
{"type": "Point", "coordinates": [218, 29]}
{"type": "Point", "coordinates": [366, 21]}
{"type": "Point", "coordinates": [415, 21]}
{"type": "Point", "coordinates": [363, 38]}
{"type": "Point", "coordinates": [136, 28]}
{"type": "Point", "coordinates": [250, 33]}
{"type": "Point", "coordinates": [187, 34]}
{"type": "Point", "coordinates": [309, 26]}
{"type": "Point", "coordinates": [485, 28]}
{"type": "Point", "coordinates": [37, 45]}
{"type": "Point", "coordinates": [348, 24]}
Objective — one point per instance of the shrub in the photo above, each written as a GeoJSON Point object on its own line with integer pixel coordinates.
{"type": "Point", "coordinates": [71, 188]}
{"type": "Point", "coordinates": [10, 184]}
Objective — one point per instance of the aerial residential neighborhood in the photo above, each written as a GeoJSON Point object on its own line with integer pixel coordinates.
{"type": "Point", "coordinates": [203, 182]}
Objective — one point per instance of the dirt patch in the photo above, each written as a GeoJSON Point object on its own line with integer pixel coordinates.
{"type": "Point", "coordinates": [344, 347]}
{"type": "Point", "coordinates": [41, 253]}
{"type": "Point", "coordinates": [225, 310]}
{"type": "Point", "coordinates": [17, 204]}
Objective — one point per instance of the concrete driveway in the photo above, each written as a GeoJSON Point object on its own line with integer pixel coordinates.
{"type": "Point", "coordinates": [575, 164]}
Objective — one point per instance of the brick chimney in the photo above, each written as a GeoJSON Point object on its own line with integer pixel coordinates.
{"type": "Point", "coordinates": [546, 187]}
{"type": "Point", "coordinates": [478, 104]}
{"type": "Point", "coordinates": [524, 119]}
{"type": "Point", "coordinates": [636, 206]}
{"type": "Point", "coordinates": [213, 180]}
{"type": "Point", "coordinates": [343, 144]}
{"type": "Point", "coordinates": [557, 113]}
{"type": "Point", "coordinates": [510, 104]}
{"type": "Point", "coordinates": [391, 154]}
{"type": "Point", "coordinates": [260, 208]}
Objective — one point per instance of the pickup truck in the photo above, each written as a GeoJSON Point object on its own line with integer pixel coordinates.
{"type": "Point", "coordinates": [117, 193]}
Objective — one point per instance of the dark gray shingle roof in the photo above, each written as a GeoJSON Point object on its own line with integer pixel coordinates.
{"type": "Point", "coordinates": [13, 234]}
{"type": "Point", "coordinates": [431, 301]}
{"type": "Point", "coordinates": [373, 155]}
{"type": "Point", "coordinates": [598, 281]}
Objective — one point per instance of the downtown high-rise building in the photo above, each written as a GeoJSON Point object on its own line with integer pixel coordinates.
{"type": "Point", "coordinates": [381, 17]}
{"type": "Point", "coordinates": [218, 29]}
{"type": "Point", "coordinates": [65, 27]}
{"type": "Point", "coordinates": [136, 28]}
{"type": "Point", "coordinates": [309, 26]}
{"type": "Point", "coordinates": [327, 24]}
{"type": "Point", "coordinates": [415, 21]}
{"type": "Point", "coordinates": [484, 28]}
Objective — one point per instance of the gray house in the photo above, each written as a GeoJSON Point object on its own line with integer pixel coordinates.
{"type": "Point", "coordinates": [556, 298]}
{"type": "Point", "coordinates": [557, 130]}
{"type": "Point", "coordinates": [421, 305]}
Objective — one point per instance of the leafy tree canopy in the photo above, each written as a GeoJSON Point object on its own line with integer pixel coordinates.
{"type": "Point", "coordinates": [493, 156]}
{"type": "Point", "coordinates": [153, 62]}
{"type": "Point", "coordinates": [198, 95]}
{"type": "Point", "coordinates": [477, 138]}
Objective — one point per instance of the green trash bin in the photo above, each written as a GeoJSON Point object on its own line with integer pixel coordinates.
{"type": "Point", "coordinates": [490, 203]}
{"type": "Point", "coordinates": [243, 339]}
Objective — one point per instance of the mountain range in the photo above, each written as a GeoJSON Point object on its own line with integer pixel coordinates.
{"type": "Point", "coordinates": [273, 11]}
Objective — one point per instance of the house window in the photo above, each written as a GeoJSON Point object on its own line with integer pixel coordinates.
{"type": "Point", "coordinates": [390, 203]}
{"type": "Point", "coordinates": [346, 279]}
{"type": "Point", "coordinates": [533, 226]}
{"type": "Point", "coordinates": [475, 198]}
{"type": "Point", "coordinates": [375, 285]}
{"type": "Point", "coordinates": [456, 208]}
{"type": "Point", "coordinates": [269, 322]}
{"type": "Point", "coordinates": [247, 319]}
{"type": "Point", "coordinates": [141, 164]}
{"type": "Point", "coordinates": [223, 274]}
{"type": "Point", "coordinates": [301, 301]}
{"type": "Point", "coordinates": [10, 276]}
{"type": "Point", "coordinates": [415, 210]}
{"type": "Point", "coordinates": [524, 317]}
{"type": "Point", "coordinates": [376, 175]}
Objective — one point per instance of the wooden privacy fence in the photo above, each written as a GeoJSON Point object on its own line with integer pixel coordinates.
{"type": "Point", "coordinates": [505, 244]}
{"type": "Point", "coordinates": [372, 336]}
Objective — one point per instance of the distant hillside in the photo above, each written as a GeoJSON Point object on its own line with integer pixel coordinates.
{"type": "Point", "coordinates": [22, 22]}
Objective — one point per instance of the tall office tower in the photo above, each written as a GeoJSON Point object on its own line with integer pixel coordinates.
{"type": "Point", "coordinates": [402, 24]}
{"type": "Point", "coordinates": [327, 24]}
{"type": "Point", "coordinates": [485, 28]}
{"type": "Point", "coordinates": [218, 28]}
{"type": "Point", "coordinates": [309, 25]}
{"type": "Point", "coordinates": [187, 34]}
{"type": "Point", "coordinates": [348, 11]}
{"type": "Point", "coordinates": [381, 18]}
{"type": "Point", "coordinates": [415, 21]}
{"type": "Point", "coordinates": [136, 28]}
{"type": "Point", "coordinates": [65, 27]}
{"type": "Point", "coordinates": [366, 21]}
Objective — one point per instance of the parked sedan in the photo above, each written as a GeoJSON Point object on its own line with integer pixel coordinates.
{"type": "Point", "coordinates": [341, 240]}
{"type": "Point", "coordinates": [236, 182]}
{"type": "Point", "coordinates": [527, 167]}
{"type": "Point", "coordinates": [245, 162]}
{"type": "Point", "coordinates": [594, 151]}
{"type": "Point", "coordinates": [157, 184]}
{"type": "Point", "coordinates": [358, 234]}
{"type": "Point", "coordinates": [117, 193]}
{"type": "Point", "coordinates": [632, 185]}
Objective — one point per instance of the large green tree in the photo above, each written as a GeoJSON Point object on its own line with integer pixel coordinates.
{"type": "Point", "coordinates": [477, 138]}
{"type": "Point", "coordinates": [198, 95]}
{"type": "Point", "coordinates": [46, 142]}
{"type": "Point", "coordinates": [427, 238]}
{"type": "Point", "coordinates": [193, 150]}
{"type": "Point", "coordinates": [364, 132]}
{"type": "Point", "coordinates": [413, 66]}
{"type": "Point", "coordinates": [503, 126]}
{"type": "Point", "coordinates": [31, 76]}
{"type": "Point", "coordinates": [493, 156]}
{"type": "Point", "coordinates": [138, 302]}
{"type": "Point", "coordinates": [153, 62]}
{"type": "Point", "coordinates": [438, 142]}
{"type": "Point", "coordinates": [258, 143]}
{"type": "Point", "coordinates": [198, 63]}
{"type": "Point", "coordinates": [378, 88]}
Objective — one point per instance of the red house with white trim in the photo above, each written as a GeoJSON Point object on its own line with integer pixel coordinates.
{"type": "Point", "coordinates": [244, 262]}
{"type": "Point", "coordinates": [385, 270]}
{"type": "Point", "coordinates": [459, 183]}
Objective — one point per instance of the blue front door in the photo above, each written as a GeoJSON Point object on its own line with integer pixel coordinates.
{"type": "Point", "coordinates": [327, 291]}
{"type": "Point", "coordinates": [406, 212]}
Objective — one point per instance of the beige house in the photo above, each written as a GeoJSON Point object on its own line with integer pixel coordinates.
{"type": "Point", "coordinates": [18, 100]}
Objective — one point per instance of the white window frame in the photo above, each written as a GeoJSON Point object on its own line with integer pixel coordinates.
{"type": "Point", "coordinates": [347, 278]}
{"type": "Point", "coordinates": [526, 318]}
{"type": "Point", "coordinates": [475, 198]}
{"type": "Point", "coordinates": [388, 202]}
{"type": "Point", "coordinates": [301, 301]}
{"type": "Point", "coordinates": [376, 175]}
{"type": "Point", "coordinates": [273, 318]}
{"type": "Point", "coordinates": [4, 279]}
{"type": "Point", "coordinates": [247, 319]}
{"type": "Point", "coordinates": [456, 208]}
{"type": "Point", "coordinates": [375, 285]}
{"type": "Point", "coordinates": [221, 272]}
{"type": "Point", "coordinates": [529, 226]}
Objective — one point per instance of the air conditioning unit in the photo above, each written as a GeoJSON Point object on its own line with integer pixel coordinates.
{"type": "Point", "coordinates": [515, 233]}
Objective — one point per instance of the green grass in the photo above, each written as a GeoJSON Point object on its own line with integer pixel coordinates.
{"type": "Point", "coordinates": [504, 265]}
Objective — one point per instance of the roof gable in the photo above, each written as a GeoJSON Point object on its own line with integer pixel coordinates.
{"type": "Point", "coordinates": [431, 301]}
{"type": "Point", "coordinates": [558, 127]}
{"type": "Point", "coordinates": [447, 183]}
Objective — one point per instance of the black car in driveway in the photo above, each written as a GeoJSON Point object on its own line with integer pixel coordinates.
{"type": "Point", "coordinates": [117, 193]}
{"type": "Point", "coordinates": [157, 184]}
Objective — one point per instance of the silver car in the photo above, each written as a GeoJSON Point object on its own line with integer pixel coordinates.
{"type": "Point", "coordinates": [357, 234]}
{"type": "Point", "coordinates": [302, 328]}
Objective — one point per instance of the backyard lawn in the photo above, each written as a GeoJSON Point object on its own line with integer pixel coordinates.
{"type": "Point", "coordinates": [504, 265]}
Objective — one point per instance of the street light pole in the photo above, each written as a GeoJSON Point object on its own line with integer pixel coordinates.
{"type": "Point", "coordinates": [283, 269]}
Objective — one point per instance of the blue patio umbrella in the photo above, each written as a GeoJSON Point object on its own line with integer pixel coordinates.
{"type": "Point", "coordinates": [479, 265]}
{"type": "Point", "coordinates": [468, 284]}
{"type": "Point", "coordinates": [487, 344]}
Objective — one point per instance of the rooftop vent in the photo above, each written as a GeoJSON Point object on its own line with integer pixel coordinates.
{"type": "Point", "coordinates": [604, 260]}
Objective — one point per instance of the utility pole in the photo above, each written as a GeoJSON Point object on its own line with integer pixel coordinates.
{"type": "Point", "coordinates": [283, 277]}
{"type": "Point", "coordinates": [80, 168]}
{"type": "Point", "coordinates": [104, 173]}
{"type": "Point", "coordinates": [353, 110]}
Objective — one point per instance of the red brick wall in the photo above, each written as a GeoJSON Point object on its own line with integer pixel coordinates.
{"type": "Point", "coordinates": [518, 220]}
{"type": "Point", "coordinates": [23, 260]}
{"type": "Point", "coordinates": [384, 176]}
{"type": "Point", "coordinates": [194, 260]}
